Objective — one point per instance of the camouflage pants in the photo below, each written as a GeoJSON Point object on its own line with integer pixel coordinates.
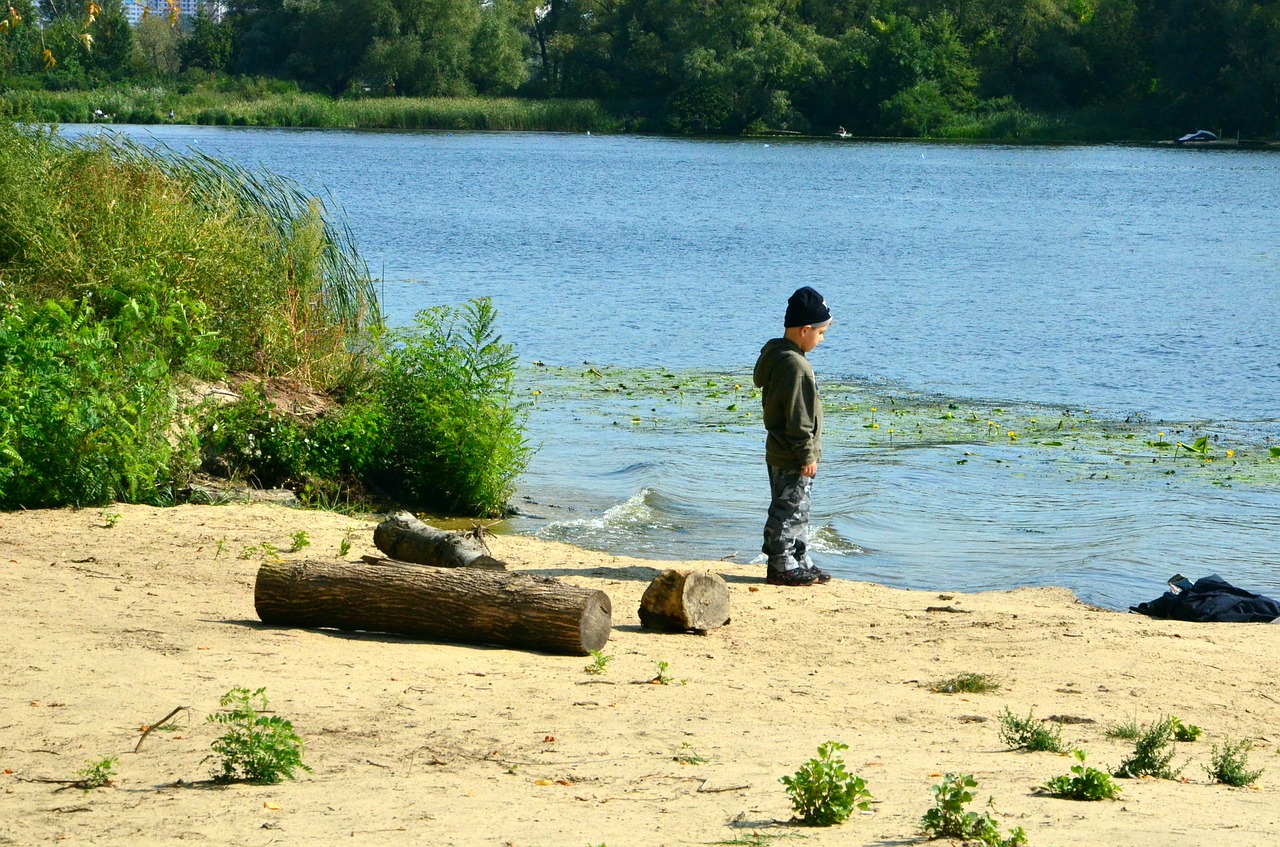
{"type": "Point", "coordinates": [786, 531]}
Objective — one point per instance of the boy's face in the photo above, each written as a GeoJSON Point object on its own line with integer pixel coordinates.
{"type": "Point", "coordinates": [811, 336]}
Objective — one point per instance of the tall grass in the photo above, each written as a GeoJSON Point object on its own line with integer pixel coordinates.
{"type": "Point", "coordinates": [263, 264]}
{"type": "Point", "coordinates": [125, 271]}
{"type": "Point", "coordinates": [151, 105]}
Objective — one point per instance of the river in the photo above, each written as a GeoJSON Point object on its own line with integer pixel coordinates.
{"type": "Point", "coordinates": [1136, 283]}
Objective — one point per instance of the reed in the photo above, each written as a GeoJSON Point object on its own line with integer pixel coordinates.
{"type": "Point", "coordinates": [263, 106]}
{"type": "Point", "coordinates": [276, 271]}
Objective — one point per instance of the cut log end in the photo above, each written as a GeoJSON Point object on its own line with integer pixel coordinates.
{"type": "Point", "coordinates": [684, 601]}
{"type": "Point", "coordinates": [596, 622]}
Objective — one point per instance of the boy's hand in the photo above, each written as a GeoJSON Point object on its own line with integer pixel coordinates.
{"type": "Point", "coordinates": [809, 469]}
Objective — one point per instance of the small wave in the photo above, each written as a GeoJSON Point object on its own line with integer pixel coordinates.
{"type": "Point", "coordinates": [633, 468]}
{"type": "Point", "coordinates": [646, 517]}
{"type": "Point", "coordinates": [827, 539]}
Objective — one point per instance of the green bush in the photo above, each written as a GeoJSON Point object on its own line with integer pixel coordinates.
{"type": "Point", "coordinates": [948, 818]}
{"type": "Point", "coordinates": [1152, 753]}
{"type": "Point", "coordinates": [822, 792]}
{"type": "Point", "coordinates": [87, 407]}
{"type": "Point", "coordinates": [116, 265]}
{"type": "Point", "coordinates": [455, 438]}
{"type": "Point", "coordinates": [1230, 763]}
{"type": "Point", "coordinates": [249, 440]}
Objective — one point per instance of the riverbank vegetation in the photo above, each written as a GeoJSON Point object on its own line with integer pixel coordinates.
{"type": "Point", "coordinates": [1022, 69]}
{"type": "Point", "coordinates": [131, 281]}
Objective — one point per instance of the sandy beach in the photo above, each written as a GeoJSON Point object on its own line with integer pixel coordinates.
{"type": "Point", "coordinates": [114, 617]}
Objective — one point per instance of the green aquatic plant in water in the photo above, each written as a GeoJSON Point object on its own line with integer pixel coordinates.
{"type": "Point", "coordinates": [1076, 442]}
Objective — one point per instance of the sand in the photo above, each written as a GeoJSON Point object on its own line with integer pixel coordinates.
{"type": "Point", "coordinates": [112, 618]}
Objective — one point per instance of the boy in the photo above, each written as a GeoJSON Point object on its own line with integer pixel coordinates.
{"type": "Point", "coordinates": [793, 419]}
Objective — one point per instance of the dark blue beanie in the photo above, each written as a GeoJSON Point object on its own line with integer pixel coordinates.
{"type": "Point", "coordinates": [806, 308]}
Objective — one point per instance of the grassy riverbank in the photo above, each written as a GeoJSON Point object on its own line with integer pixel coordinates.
{"type": "Point", "coordinates": [131, 279]}
{"type": "Point", "coordinates": [248, 102]}
{"type": "Point", "coordinates": [270, 106]}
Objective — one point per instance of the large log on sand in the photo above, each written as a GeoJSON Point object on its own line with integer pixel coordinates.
{"type": "Point", "coordinates": [447, 604]}
{"type": "Point", "coordinates": [678, 601]}
{"type": "Point", "coordinates": [404, 537]}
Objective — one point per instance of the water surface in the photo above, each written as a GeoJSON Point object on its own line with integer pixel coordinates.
{"type": "Point", "coordinates": [1135, 283]}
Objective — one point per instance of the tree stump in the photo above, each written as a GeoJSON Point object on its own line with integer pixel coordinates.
{"type": "Point", "coordinates": [404, 537]}
{"type": "Point", "coordinates": [448, 604]}
{"type": "Point", "coordinates": [679, 601]}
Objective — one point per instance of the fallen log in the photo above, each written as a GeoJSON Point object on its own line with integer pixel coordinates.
{"type": "Point", "coordinates": [404, 537]}
{"type": "Point", "coordinates": [679, 601]}
{"type": "Point", "coordinates": [447, 604]}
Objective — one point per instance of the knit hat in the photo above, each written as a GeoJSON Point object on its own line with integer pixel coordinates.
{"type": "Point", "coordinates": [806, 308]}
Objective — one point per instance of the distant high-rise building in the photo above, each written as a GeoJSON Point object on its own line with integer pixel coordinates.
{"type": "Point", "coordinates": [134, 10]}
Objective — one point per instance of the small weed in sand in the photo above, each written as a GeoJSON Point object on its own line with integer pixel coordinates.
{"type": "Point", "coordinates": [760, 839]}
{"type": "Point", "coordinates": [255, 748]}
{"type": "Point", "coordinates": [966, 683]}
{"type": "Point", "coordinates": [299, 540]}
{"type": "Point", "coordinates": [268, 551]}
{"type": "Point", "coordinates": [687, 756]}
{"type": "Point", "coordinates": [1127, 731]}
{"type": "Point", "coordinates": [822, 792]}
{"type": "Point", "coordinates": [599, 663]}
{"type": "Point", "coordinates": [1231, 763]}
{"type": "Point", "coordinates": [344, 546]}
{"type": "Point", "coordinates": [96, 774]}
{"type": "Point", "coordinates": [1186, 732]}
{"type": "Point", "coordinates": [110, 517]}
{"type": "Point", "coordinates": [948, 818]}
{"type": "Point", "coordinates": [1152, 753]}
{"type": "Point", "coordinates": [1029, 734]}
{"type": "Point", "coordinates": [664, 676]}
{"type": "Point", "coordinates": [1083, 783]}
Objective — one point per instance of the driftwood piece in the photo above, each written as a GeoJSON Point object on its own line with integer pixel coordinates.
{"type": "Point", "coordinates": [447, 604]}
{"type": "Point", "coordinates": [679, 601]}
{"type": "Point", "coordinates": [404, 537]}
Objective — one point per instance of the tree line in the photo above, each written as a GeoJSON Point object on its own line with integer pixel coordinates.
{"type": "Point", "coordinates": [874, 67]}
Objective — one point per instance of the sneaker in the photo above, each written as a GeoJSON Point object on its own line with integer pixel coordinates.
{"type": "Point", "coordinates": [797, 577]}
{"type": "Point", "coordinates": [819, 575]}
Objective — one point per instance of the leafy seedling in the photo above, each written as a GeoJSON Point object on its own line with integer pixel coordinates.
{"type": "Point", "coordinates": [687, 756]}
{"type": "Point", "coordinates": [299, 540]}
{"type": "Point", "coordinates": [599, 663]}
{"type": "Point", "coordinates": [823, 792]}
{"type": "Point", "coordinates": [255, 748]}
{"type": "Point", "coordinates": [96, 774]}
{"type": "Point", "coordinates": [1083, 783]}
{"type": "Point", "coordinates": [1185, 732]}
{"type": "Point", "coordinates": [1029, 734]}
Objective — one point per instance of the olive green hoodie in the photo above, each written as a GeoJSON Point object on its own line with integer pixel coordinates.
{"type": "Point", "coordinates": [792, 408]}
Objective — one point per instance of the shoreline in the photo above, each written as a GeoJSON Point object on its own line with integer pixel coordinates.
{"type": "Point", "coordinates": [120, 614]}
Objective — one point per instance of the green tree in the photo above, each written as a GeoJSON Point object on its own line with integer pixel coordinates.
{"type": "Point", "coordinates": [157, 47]}
{"type": "Point", "coordinates": [19, 39]}
{"type": "Point", "coordinates": [209, 45]}
{"type": "Point", "coordinates": [498, 64]}
{"type": "Point", "coordinates": [108, 57]}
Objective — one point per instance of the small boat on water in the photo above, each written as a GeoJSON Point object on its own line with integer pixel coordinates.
{"type": "Point", "coordinates": [1197, 137]}
{"type": "Point", "coordinates": [841, 132]}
